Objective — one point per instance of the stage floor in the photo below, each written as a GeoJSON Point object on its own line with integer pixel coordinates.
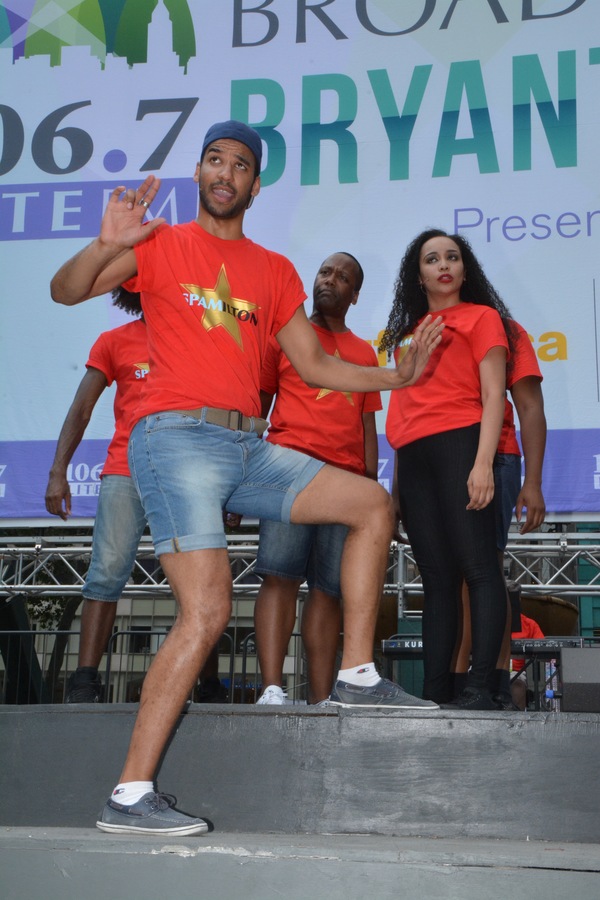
{"type": "Point", "coordinates": [72, 864]}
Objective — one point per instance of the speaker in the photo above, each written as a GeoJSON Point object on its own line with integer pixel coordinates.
{"type": "Point", "coordinates": [580, 676]}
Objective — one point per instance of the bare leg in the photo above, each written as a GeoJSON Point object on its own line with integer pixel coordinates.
{"type": "Point", "coordinates": [274, 619]}
{"type": "Point", "coordinates": [97, 620]}
{"type": "Point", "coordinates": [201, 583]}
{"type": "Point", "coordinates": [321, 624]}
{"type": "Point", "coordinates": [366, 508]}
{"type": "Point", "coordinates": [501, 688]}
{"type": "Point", "coordinates": [463, 650]}
{"type": "Point", "coordinates": [518, 691]}
{"type": "Point", "coordinates": [504, 656]}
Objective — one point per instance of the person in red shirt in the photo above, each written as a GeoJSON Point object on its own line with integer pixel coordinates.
{"type": "Point", "coordinates": [518, 685]}
{"type": "Point", "coordinates": [445, 431]}
{"type": "Point", "coordinates": [523, 380]}
{"type": "Point", "coordinates": [338, 428]}
{"type": "Point", "coordinates": [526, 499]}
{"type": "Point", "coordinates": [119, 356]}
{"type": "Point", "coordinates": [212, 300]}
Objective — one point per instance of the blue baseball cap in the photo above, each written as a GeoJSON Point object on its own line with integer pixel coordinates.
{"type": "Point", "coordinates": [237, 131]}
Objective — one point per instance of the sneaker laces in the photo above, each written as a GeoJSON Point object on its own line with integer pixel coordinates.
{"type": "Point", "coordinates": [161, 801]}
{"type": "Point", "coordinates": [273, 695]}
{"type": "Point", "coordinates": [387, 688]}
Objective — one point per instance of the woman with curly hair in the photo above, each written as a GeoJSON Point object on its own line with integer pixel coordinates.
{"type": "Point", "coordinates": [445, 431]}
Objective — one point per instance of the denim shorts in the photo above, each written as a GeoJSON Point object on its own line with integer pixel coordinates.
{"type": "Point", "coordinates": [187, 472]}
{"type": "Point", "coordinates": [507, 479]}
{"type": "Point", "coordinates": [119, 525]}
{"type": "Point", "coordinates": [307, 552]}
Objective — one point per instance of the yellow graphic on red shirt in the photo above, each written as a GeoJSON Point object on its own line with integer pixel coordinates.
{"type": "Point", "coordinates": [220, 308]}
{"type": "Point", "coordinates": [141, 370]}
{"type": "Point", "coordinates": [324, 391]}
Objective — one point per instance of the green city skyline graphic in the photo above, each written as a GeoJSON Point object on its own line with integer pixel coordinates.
{"type": "Point", "coordinates": [108, 27]}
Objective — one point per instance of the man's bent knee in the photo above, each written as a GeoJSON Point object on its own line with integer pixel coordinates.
{"type": "Point", "coordinates": [379, 513]}
{"type": "Point", "coordinates": [338, 496]}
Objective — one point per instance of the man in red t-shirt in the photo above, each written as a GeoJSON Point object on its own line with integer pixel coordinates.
{"type": "Point", "coordinates": [524, 381]}
{"type": "Point", "coordinates": [118, 356]}
{"type": "Point", "coordinates": [338, 428]}
{"type": "Point", "coordinates": [518, 684]}
{"type": "Point", "coordinates": [212, 301]}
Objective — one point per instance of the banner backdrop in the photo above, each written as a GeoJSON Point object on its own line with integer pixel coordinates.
{"type": "Point", "coordinates": [378, 117]}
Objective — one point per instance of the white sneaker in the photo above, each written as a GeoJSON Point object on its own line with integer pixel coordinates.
{"type": "Point", "coordinates": [272, 696]}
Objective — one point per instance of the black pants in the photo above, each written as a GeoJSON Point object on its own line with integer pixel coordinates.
{"type": "Point", "coordinates": [451, 543]}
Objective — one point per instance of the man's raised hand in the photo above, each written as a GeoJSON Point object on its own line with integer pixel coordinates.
{"type": "Point", "coordinates": [122, 224]}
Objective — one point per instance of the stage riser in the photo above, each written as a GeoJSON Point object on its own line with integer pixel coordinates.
{"type": "Point", "coordinates": [255, 769]}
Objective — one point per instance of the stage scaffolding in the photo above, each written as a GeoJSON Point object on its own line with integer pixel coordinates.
{"type": "Point", "coordinates": [559, 563]}
{"type": "Point", "coordinates": [548, 562]}
{"type": "Point", "coordinates": [562, 564]}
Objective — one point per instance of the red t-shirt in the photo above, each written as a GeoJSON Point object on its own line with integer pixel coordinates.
{"type": "Point", "coordinates": [448, 393]}
{"type": "Point", "coordinates": [523, 365]}
{"type": "Point", "coordinates": [210, 307]}
{"type": "Point", "coordinates": [122, 356]}
{"type": "Point", "coordinates": [325, 424]}
{"type": "Point", "coordinates": [529, 629]}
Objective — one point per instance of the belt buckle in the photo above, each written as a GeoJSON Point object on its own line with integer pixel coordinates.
{"type": "Point", "coordinates": [236, 420]}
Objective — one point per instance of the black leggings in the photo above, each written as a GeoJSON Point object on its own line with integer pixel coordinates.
{"type": "Point", "coordinates": [451, 543]}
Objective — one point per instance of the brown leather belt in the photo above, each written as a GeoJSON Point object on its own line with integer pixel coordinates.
{"type": "Point", "coordinates": [226, 418]}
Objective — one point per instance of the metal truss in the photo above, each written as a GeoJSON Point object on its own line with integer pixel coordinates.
{"type": "Point", "coordinates": [57, 566]}
{"type": "Point", "coordinates": [565, 564]}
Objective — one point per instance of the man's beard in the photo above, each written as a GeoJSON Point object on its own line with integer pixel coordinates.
{"type": "Point", "coordinates": [241, 204]}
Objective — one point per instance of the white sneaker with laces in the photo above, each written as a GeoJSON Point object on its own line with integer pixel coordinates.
{"type": "Point", "coordinates": [272, 695]}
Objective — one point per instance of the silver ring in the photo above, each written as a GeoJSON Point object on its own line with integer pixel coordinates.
{"type": "Point", "coordinates": [144, 203]}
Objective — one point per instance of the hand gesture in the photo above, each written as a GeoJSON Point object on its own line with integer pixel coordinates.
{"type": "Point", "coordinates": [426, 338]}
{"type": "Point", "coordinates": [122, 221]}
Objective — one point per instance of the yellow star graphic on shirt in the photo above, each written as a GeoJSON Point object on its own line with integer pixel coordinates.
{"type": "Point", "coordinates": [220, 308]}
{"type": "Point", "coordinates": [144, 367]}
{"type": "Point", "coordinates": [324, 391]}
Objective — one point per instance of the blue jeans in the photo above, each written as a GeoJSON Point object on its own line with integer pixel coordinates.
{"type": "Point", "coordinates": [187, 472]}
{"type": "Point", "coordinates": [118, 527]}
{"type": "Point", "coordinates": [311, 552]}
{"type": "Point", "coordinates": [507, 480]}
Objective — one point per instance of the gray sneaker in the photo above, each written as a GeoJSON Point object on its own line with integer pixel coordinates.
{"type": "Point", "coordinates": [383, 694]}
{"type": "Point", "coordinates": [152, 814]}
